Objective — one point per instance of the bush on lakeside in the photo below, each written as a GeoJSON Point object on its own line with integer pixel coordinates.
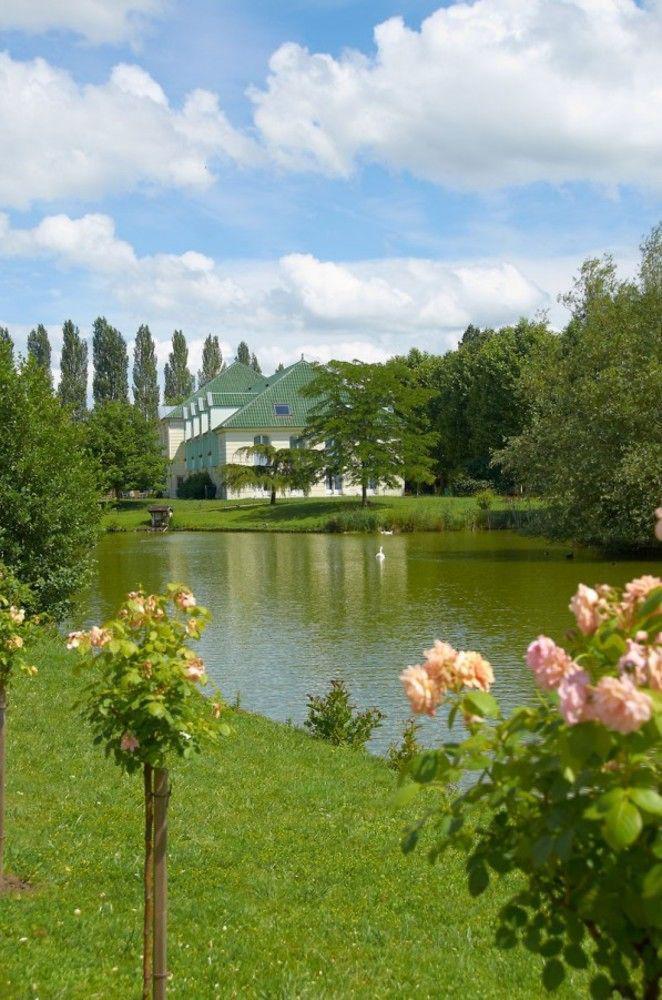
{"type": "Point", "coordinates": [462, 485]}
{"type": "Point", "coordinates": [333, 717]}
{"type": "Point", "coordinates": [197, 486]}
{"type": "Point", "coordinates": [400, 755]}
{"type": "Point", "coordinates": [564, 792]}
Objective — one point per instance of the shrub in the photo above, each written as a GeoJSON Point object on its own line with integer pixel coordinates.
{"type": "Point", "coordinates": [462, 485]}
{"type": "Point", "coordinates": [197, 486]}
{"type": "Point", "coordinates": [485, 499]}
{"type": "Point", "coordinates": [565, 791]}
{"type": "Point", "coordinates": [399, 755]}
{"type": "Point", "coordinates": [334, 718]}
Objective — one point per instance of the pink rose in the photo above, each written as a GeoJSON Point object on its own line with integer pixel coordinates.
{"type": "Point", "coordinates": [638, 590]}
{"type": "Point", "coordinates": [185, 600]}
{"type": "Point", "coordinates": [99, 636]}
{"type": "Point", "coordinates": [575, 697]}
{"type": "Point", "coordinates": [619, 705]}
{"type": "Point", "coordinates": [16, 615]}
{"type": "Point", "coordinates": [654, 666]}
{"type": "Point", "coordinates": [549, 662]}
{"type": "Point", "coordinates": [129, 742]}
{"type": "Point", "coordinates": [473, 671]}
{"type": "Point", "coordinates": [195, 669]}
{"type": "Point", "coordinates": [14, 642]}
{"type": "Point", "coordinates": [439, 663]}
{"type": "Point", "coordinates": [634, 662]}
{"type": "Point", "coordinates": [423, 693]}
{"type": "Point", "coordinates": [585, 607]}
{"type": "Point", "coordinates": [74, 639]}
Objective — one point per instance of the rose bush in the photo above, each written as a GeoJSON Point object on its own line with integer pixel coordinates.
{"type": "Point", "coordinates": [565, 791]}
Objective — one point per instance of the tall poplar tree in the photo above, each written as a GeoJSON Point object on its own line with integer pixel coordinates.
{"type": "Point", "coordinates": [145, 379]}
{"type": "Point", "coordinates": [243, 353]}
{"type": "Point", "coordinates": [111, 364]}
{"type": "Point", "coordinates": [5, 338]}
{"type": "Point", "coordinates": [212, 360]}
{"type": "Point", "coordinates": [72, 390]}
{"type": "Point", "coordinates": [178, 378]}
{"type": "Point", "coordinates": [40, 348]}
{"type": "Point", "coordinates": [255, 364]}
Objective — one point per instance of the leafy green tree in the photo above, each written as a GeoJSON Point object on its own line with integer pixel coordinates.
{"type": "Point", "coordinates": [49, 508]}
{"type": "Point", "coordinates": [243, 353]}
{"type": "Point", "coordinates": [593, 444]}
{"type": "Point", "coordinates": [145, 376]}
{"type": "Point", "coordinates": [212, 360]}
{"type": "Point", "coordinates": [125, 447]}
{"type": "Point", "coordinates": [255, 364]}
{"type": "Point", "coordinates": [72, 390]}
{"type": "Point", "coordinates": [369, 419]}
{"type": "Point", "coordinates": [5, 337]}
{"type": "Point", "coordinates": [178, 378]}
{"type": "Point", "coordinates": [281, 367]}
{"type": "Point", "coordinates": [275, 469]}
{"type": "Point", "coordinates": [110, 383]}
{"type": "Point", "coordinates": [39, 347]}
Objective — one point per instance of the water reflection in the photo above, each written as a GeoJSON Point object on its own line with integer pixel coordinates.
{"type": "Point", "coordinates": [292, 611]}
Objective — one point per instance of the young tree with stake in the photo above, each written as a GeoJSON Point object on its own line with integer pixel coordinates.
{"type": "Point", "coordinates": [145, 708]}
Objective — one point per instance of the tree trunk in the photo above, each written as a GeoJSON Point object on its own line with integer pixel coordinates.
{"type": "Point", "coordinates": [148, 923]}
{"type": "Point", "coordinates": [161, 793]}
{"type": "Point", "coordinates": [3, 711]}
{"type": "Point", "coordinates": [364, 495]}
{"type": "Point", "coordinates": [273, 494]}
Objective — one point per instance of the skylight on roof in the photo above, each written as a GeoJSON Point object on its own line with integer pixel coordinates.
{"type": "Point", "coordinates": [282, 409]}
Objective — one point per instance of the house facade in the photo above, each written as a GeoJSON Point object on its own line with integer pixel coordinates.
{"type": "Point", "coordinates": [235, 410]}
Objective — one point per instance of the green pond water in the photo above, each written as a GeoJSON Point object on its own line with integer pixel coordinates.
{"type": "Point", "coordinates": [290, 612]}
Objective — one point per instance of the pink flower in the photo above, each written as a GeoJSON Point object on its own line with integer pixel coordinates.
{"type": "Point", "coordinates": [440, 662]}
{"type": "Point", "coordinates": [619, 705]}
{"type": "Point", "coordinates": [16, 615]}
{"type": "Point", "coordinates": [634, 662]}
{"type": "Point", "coordinates": [638, 590]}
{"type": "Point", "coordinates": [575, 697]}
{"type": "Point", "coordinates": [14, 642]}
{"type": "Point", "coordinates": [74, 639]}
{"type": "Point", "coordinates": [549, 662]}
{"type": "Point", "coordinates": [185, 600]}
{"type": "Point", "coordinates": [473, 671]}
{"type": "Point", "coordinates": [129, 742]}
{"type": "Point", "coordinates": [193, 627]}
{"type": "Point", "coordinates": [99, 636]}
{"type": "Point", "coordinates": [655, 668]}
{"type": "Point", "coordinates": [585, 607]}
{"type": "Point", "coordinates": [195, 669]}
{"type": "Point", "coordinates": [423, 693]}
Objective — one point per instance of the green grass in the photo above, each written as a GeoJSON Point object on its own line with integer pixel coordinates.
{"type": "Point", "coordinates": [424, 513]}
{"type": "Point", "coordinates": [286, 878]}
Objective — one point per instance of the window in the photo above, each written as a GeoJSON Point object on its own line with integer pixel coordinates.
{"type": "Point", "coordinates": [261, 439]}
{"type": "Point", "coordinates": [282, 409]}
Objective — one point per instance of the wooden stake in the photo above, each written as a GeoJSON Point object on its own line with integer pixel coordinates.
{"type": "Point", "coordinates": [161, 795]}
{"type": "Point", "coordinates": [148, 924]}
{"type": "Point", "coordinates": [3, 711]}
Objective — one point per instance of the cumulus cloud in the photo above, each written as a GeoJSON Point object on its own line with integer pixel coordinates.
{"type": "Point", "coordinates": [65, 140]}
{"type": "Point", "coordinates": [485, 94]}
{"type": "Point", "coordinates": [95, 20]}
{"type": "Point", "coordinates": [367, 309]}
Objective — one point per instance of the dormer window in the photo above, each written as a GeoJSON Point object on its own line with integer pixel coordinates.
{"type": "Point", "coordinates": [282, 409]}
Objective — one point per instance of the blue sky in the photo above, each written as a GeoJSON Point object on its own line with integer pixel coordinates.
{"type": "Point", "coordinates": [294, 175]}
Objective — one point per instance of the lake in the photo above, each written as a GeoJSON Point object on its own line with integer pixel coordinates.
{"type": "Point", "coordinates": [290, 612]}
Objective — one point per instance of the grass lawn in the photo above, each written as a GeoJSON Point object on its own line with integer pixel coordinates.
{"type": "Point", "coordinates": [286, 878]}
{"type": "Point", "coordinates": [424, 513]}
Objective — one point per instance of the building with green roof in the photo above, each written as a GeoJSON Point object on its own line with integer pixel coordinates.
{"type": "Point", "coordinates": [236, 409]}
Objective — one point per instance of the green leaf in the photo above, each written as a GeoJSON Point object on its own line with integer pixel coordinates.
{"type": "Point", "coordinates": [653, 882]}
{"type": "Point", "coordinates": [404, 795]}
{"type": "Point", "coordinates": [423, 768]}
{"type": "Point", "coordinates": [622, 825]}
{"type": "Point", "coordinates": [647, 799]}
{"type": "Point", "coordinates": [553, 974]}
{"type": "Point", "coordinates": [481, 703]}
{"type": "Point", "coordinates": [479, 879]}
{"type": "Point", "coordinates": [409, 841]}
{"type": "Point", "coordinates": [156, 709]}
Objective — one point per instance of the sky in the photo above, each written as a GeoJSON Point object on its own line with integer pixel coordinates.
{"type": "Point", "coordinates": [332, 178]}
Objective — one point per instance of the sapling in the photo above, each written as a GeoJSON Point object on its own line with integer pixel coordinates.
{"type": "Point", "coordinates": [143, 701]}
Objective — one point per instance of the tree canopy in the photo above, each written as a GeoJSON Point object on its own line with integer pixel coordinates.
{"type": "Point", "coordinates": [145, 376]}
{"type": "Point", "coordinates": [110, 382]}
{"type": "Point", "coordinates": [212, 360]}
{"type": "Point", "coordinates": [274, 469]}
{"type": "Point", "coordinates": [592, 445]}
{"type": "Point", "coordinates": [49, 507]}
{"type": "Point", "coordinates": [125, 447]}
{"type": "Point", "coordinates": [39, 348]}
{"type": "Point", "coordinates": [370, 420]}
{"type": "Point", "coordinates": [178, 379]}
{"type": "Point", "coordinates": [72, 390]}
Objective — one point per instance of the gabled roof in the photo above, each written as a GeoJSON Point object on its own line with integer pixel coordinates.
{"type": "Point", "coordinates": [231, 398]}
{"type": "Point", "coordinates": [284, 387]}
{"type": "Point", "coordinates": [236, 378]}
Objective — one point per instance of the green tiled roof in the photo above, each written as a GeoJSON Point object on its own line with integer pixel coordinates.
{"type": "Point", "coordinates": [177, 413]}
{"type": "Point", "coordinates": [283, 388]}
{"type": "Point", "coordinates": [236, 378]}
{"type": "Point", "coordinates": [232, 398]}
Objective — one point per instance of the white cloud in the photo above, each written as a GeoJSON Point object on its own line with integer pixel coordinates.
{"type": "Point", "coordinates": [492, 93]}
{"type": "Point", "coordinates": [95, 20]}
{"type": "Point", "coordinates": [71, 141]}
{"type": "Point", "coordinates": [367, 309]}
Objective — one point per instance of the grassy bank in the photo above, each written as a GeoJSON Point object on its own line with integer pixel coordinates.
{"type": "Point", "coordinates": [333, 515]}
{"type": "Point", "coordinates": [285, 875]}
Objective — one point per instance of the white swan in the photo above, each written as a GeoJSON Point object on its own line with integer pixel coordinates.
{"type": "Point", "coordinates": [380, 555]}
